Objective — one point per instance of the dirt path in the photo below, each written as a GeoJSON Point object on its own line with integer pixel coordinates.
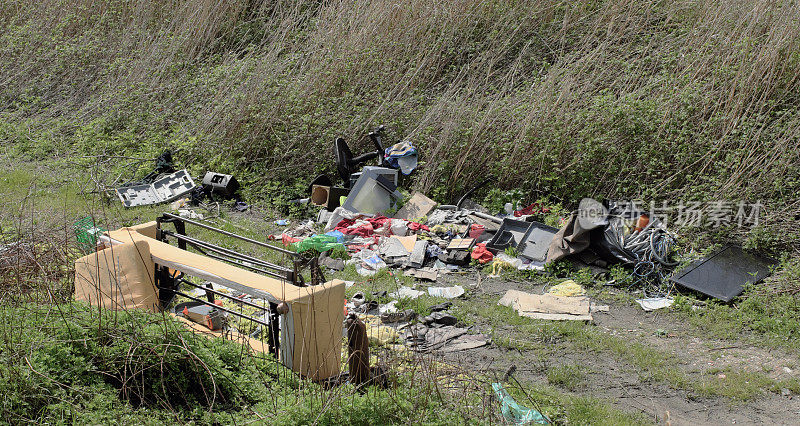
{"type": "Point", "coordinates": [629, 388]}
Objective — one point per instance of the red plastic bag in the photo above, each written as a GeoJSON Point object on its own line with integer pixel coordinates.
{"type": "Point", "coordinates": [475, 230]}
{"type": "Point", "coordinates": [482, 254]}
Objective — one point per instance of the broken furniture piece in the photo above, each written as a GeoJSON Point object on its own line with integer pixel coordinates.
{"type": "Point", "coordinates": [163, 190]}
{"type": "Point", "coordinates": [140, 269]}
{"type": "Point", "coordinates": [347, 163]}
{"type": "Point", "coordinates": [724, 273]}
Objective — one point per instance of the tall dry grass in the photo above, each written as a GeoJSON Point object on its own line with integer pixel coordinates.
{"type": "Point", "coordinates": [604, 98]}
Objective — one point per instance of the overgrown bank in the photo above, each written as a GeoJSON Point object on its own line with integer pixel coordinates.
{"type": "Point", "coordinates": [694, 100]}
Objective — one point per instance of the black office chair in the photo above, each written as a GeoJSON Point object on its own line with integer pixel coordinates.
{"type": "Point", "coordinates": [347, 164]}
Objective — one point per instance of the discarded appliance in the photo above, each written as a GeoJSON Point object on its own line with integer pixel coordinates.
{"type": "Point", "coordinates": [724, 273]}
{"type": "Point", "coordinates": [389, 174]}
{"type": "Point", "coordinates": [372, 194]}
{"type": "Point", "coordinates": [221, 184]}
{"type": "Point", "coordinates": [416, 207]}
{"type": "Point", "coordinates": [536, 241]}
{"type": "Point", "coordinates": [509, 235]}
{"type": "Point", "coordinates": [162, 190]}
{"type": "Point", "coordinates": [140, 269]}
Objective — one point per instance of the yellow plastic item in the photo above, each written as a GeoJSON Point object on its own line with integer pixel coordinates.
{"type": "Point", "coordinates": [567, 288]}
{"type": "Point", "coordinates": [377, 333]}
{"type": "Point", "coordinates": [499, 265]}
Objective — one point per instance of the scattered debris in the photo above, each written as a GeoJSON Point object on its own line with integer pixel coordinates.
{"type": "Point", "coordinates": [416, 207]}
{"type": "Point", "coordinates": [510, 234]}
{"type": "Point", "coordinates": [439, 319]}
{"type": "Point", "coordinates": [536, 241]}
{"type": "Point", "coordinates": [330, 263]}
{"type": "Point", "coordinates": [567, 288]}
{"type": "Point", "coordinates": [424, 240]}
{"type": "Point", "coordinates": [482, 254]}
{"type": "Point", "coordinates": [724, 273]}
{"type": "Point", "coordinates": [514, 413]}
{"type": "Point", "coordinates": [547, 306]}
{"type": "Point", "coordinates": [162, 190]}
{"type": "Point", "coordinates": [417, 256]}
{"type": "Point", "coordinates": [446, 292]}
{"type": "Point", "coordinates": [221, 184]}
{"type": "Point", "coordinates": [394, 317]}
{"type": "Point", "coordinates": [403, 156]}
{"type": "Point", "coordinates": [449, 338]}
{"type": "Point", "coordinates": [654, 303]}
{"type": "Point", "coordinates": [368, 263]}
{"type": "Point", "coordinates": [441, 307]}
{"type": "Point", "coordinates": [87, 234]}
{"type": "Point", "coordinates": [428, 274]}
{"type": "Point", "coordinates": [406, 292]}
{"type": "Point", "coordinates": [461, 244]}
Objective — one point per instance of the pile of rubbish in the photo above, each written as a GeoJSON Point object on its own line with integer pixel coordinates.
{"type": "Point", "coordinates": [368, 221]}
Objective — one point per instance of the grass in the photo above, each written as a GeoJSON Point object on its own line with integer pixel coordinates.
{"type": "Point", "coordinates": [760, 317]}
{"type": "Point", "coordinates": [663, 101]}
{"type": "Point", "coordinates": [659, 100]}
{"type": "Point", "coordinates": [71, 363]}
{"type": "Point", "coordinates": [513, 332]}
{"type": "Point", "coordinates": [55, 370]}
{"type": "Point", "coordinates": [568, 376]}
{"type": "Point", "coordinates": [531, 338]}
{"type": "Point", "coordinates": [567, 408]}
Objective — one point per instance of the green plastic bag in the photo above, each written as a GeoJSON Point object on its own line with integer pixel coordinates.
{"type": "Point", "coordinates": [319, 243]}
{"type": "Point", "coordinates": [515, 413]}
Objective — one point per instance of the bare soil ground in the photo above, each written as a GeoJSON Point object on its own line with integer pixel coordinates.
{"type": "Point", "coordinates": [628, 388]}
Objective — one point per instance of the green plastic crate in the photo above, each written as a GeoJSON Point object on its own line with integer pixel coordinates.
{"type": "Point", "coordinates": [87, 233]}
